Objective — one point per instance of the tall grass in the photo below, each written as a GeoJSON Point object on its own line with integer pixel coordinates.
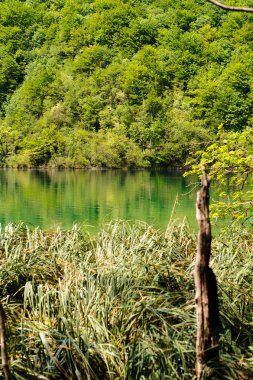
{"type": "Point", "coordinates": [119, 305]}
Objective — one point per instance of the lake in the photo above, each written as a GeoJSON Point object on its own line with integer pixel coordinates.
{"type": "Point", "coordinates": [92, 198]}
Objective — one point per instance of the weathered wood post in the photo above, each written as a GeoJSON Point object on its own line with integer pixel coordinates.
{"type": "Point", "coordinates": [4, 356]}
{"type": "Point", "coordinates": [205, 285]}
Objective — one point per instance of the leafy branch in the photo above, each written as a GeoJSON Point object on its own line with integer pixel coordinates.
{"type": "Point", "coordinates": [229, 161]}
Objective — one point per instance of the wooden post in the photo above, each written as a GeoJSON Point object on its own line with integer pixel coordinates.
{"type": "Point", "coordinates": [205, 285]}
{"type": "Point", "coordinates": [4, 356]}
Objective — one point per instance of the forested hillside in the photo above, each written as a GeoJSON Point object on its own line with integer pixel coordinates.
{"type": "Point", "coordinates": [114, 83]}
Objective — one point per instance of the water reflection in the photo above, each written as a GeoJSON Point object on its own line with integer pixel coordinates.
{"type": "Point", "coordinates": [50, 198]}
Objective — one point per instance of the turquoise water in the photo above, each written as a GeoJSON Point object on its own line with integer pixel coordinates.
{"type": "Point", "coordinates": [92, 198]}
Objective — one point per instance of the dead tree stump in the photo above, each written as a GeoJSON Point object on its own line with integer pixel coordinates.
{"type": "Point", "coordinates": [4, 356]}
{"type": "Point", "coordinates": [205, 286]}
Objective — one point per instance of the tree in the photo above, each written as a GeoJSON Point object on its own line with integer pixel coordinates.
{"type": "Point", "coordinates": [228, 159]}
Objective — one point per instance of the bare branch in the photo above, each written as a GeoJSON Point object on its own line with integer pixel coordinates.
{"type": "Point", "coordinates": [230, 8]}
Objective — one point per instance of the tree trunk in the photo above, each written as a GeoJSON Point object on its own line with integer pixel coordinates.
{"type": "Point", "coordinates": [205, 285]}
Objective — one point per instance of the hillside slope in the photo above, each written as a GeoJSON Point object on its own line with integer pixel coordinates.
{"type": "Point", "coordinates": [113, 83]}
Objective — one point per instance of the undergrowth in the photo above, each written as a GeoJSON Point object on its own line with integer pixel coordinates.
{"type": "Point", "coordinates": [120, 305]}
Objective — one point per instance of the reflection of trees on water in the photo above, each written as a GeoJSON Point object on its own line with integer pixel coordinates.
{"type": "Point", "coordinates": [94, 197]}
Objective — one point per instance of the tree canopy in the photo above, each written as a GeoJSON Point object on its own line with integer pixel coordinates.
{"type": "Point", "coordinates": [114, 83]}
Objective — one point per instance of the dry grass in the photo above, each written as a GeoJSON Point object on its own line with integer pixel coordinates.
{"type": "Point", "coordinates": [120, 305]}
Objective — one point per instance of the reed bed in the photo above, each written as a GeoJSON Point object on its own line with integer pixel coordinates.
{"type": "Point", "coordinates": [120, 305]}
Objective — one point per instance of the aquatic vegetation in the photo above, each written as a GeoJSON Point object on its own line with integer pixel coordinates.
{"type": "Point", "coordinates": [119, 305]}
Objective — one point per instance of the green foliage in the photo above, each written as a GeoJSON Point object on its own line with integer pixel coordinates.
{"type": "Point", "coordinates": [159, 73]}
{"type": "Point", "coordinates": [9, 141]}
{"type": "Point", "coordinates": [229, 161]}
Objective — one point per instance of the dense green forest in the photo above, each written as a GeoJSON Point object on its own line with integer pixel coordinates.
{"type": "Point", "coordinates": [115, 83]}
